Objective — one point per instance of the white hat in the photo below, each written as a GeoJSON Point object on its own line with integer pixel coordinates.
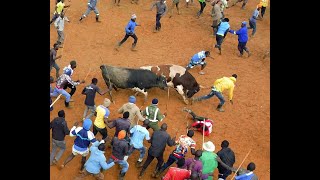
{"type": "Point", "coordinates": [133, 16]}
{"type": "Point", "coordinates": [209, 146]}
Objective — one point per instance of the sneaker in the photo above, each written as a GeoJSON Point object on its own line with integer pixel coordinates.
{"type": "Point", "coordinates": [201, 73]}
{"type": "Point", "coordinates": [186, 110]}
{"type": "Point", "coordinates": [71, 100]}
{"type": "Point", "coordinates": [220, 109]}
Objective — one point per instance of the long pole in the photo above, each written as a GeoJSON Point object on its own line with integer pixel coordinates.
{"type": "Point", "coordinates": [55, 100]}
{"type": "Point", "coordinates": [241, 164]}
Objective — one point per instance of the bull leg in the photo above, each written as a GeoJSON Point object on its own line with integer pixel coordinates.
{"type": "Point", "coordinates": [143, 91]}
{"type": "Point", "coordinates": [136, 94]}
{"type": "Point", "coordinates": [179, 88]}
{"type": "Point", "coordinates": [110, 93]}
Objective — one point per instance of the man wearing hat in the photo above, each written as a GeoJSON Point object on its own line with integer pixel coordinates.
{"type": "Point", "coordinates": [208, 159]}
{"type": "Point", "coordinates": [100, 122]}
{"type": "Point", "coordinates": [224, 83]}
{"type": "Point", "coordinates": [119, 152]}
{"type": "Point", "coordinates": [130, 32]}
{"type": "Point", "coordinates": [90, 92]}
{"type": "Point", "coordinates": [81, 144]}
{"type": "Point", "coordinates": [65, 81]}
{"type": "Point", "coordinates": [92, 6]}
{"type": "Point", "coordinates": [96, 161]}
{"type": "Point", "coordinates": [154, 115]}
{"type": "Point", "coordinates": [242, 38]}
{"type": "Point", "coordinates": [133, 110]}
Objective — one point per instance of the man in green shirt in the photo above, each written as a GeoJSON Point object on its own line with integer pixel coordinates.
{"type": "Point", "coordinates": [208, 159]}
{"type": "Point", "coordinates": [202, 6]}
{"type": "Point", "coordinates": [154, 115]}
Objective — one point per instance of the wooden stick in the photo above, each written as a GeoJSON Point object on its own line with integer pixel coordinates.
{"type": "Point", "coordinates": [203, 132]}
{"type": "Point", "coordinates": [241, 164]}
{"type": "Point", "coordinates": [167, 100]}
{"type": "Point", "coordinates": [87, 74]}
{"type": "Point", "coordinates": [55, 100]}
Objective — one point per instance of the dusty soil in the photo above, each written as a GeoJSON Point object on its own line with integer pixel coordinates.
{"type": "Point", "coordinates": [245, 124]}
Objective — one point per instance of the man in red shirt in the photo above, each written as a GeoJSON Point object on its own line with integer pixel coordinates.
{"type": "Point", "coordinates": [198, 122]}
{"type": "Point", "coordinates": [177, 173]}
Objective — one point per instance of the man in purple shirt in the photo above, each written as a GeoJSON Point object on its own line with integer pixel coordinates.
{"type": "Point", "coordinates": [195, 165]}
{"type": "Point", "coordinates": [120, 124]}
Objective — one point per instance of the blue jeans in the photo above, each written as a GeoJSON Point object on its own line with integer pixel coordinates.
{"type": "Point", "coordinates": [253, 25]}
{"type": "Point", "coordinates": [170, 161]}
{"type": "Point", "coordinates": [141, 150]}
{"type": "Point", "coordinates": [64, 93]}
{"type": "Point", "coordinates": [124, 164]}
{"type": "Point", "coordinates": [55, 65]}
{"type": "Point", "coordinates": [212, 93]}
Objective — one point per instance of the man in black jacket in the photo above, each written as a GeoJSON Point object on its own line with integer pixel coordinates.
{"type": "Point", "coordinates": [159, 140]}
{"type": "Point", "coordinates": [227, 156]}
{"type": "Point", "coordinates": [59, 131]}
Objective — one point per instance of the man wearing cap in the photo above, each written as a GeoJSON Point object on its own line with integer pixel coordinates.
{"type": "Point", "coordinates": [227, 156]}
{"type": "Point", "coordinates": [182, 147]}
{"type": "Point", "coordinates": [162, 9]}
{"type": "Point", "coordinates": [242, 38]}
{"type": "Point", "coordinates": [154, 115]}
{"type": "Point", "coordinates": [133, 110]}
{"type": "Point", "coordinates": [130, 32]}
{"type": "Point", "coordinates": [53, 58]}
{"type": "Point", "coordinates": [159, 140]}
{"type": "Point", "coordinates": [253, 20]}
{"type": "Point", "coordinates": [199, 59]}
{"type": "Point", "coordinates": [100, 122]}
{"type": "Point", "coordinates": [223, 30]}
{"type": "Point", "coordinates": [138, 133]}
{"type": "Point", "coordinates": [96, 161]}
{"type": "Point", "coordinates": [81, 144]}
{"type": "Point", "coordinates": [90, 92]}
{"type": "Point", "coordinates": [59, 131]}
{"type": "Point", "coordinates": [208, 159]}
{"type": "Point", "coordinates": [220, 85]}
{"type": "Point", "coordinates": [92, 6]}
{"type": "Point", "coordinates": [65, 81]}
{"type": "Point", "coordinates": [119, 152]}
{"type": "Point", "coordinates": [120, 124]}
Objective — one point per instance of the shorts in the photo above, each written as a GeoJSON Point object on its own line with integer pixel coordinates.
{"type": "Point", "coordinates": [191, 65]}
{"type": "Point", "coordinates": [82, 153]}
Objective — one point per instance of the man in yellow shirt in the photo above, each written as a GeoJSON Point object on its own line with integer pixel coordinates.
{"type": "Point", "coordinates": [100, 122]}
{"type": "Point", "coordinates": [225, 83]}
{"type": "Point", "coordinates": [263, 4]}
{"type": "Point", "coordinates": [58, 10]}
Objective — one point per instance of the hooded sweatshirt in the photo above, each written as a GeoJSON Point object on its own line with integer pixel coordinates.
{"type": "Point", "coordinates": [97, 160]}
{"type": "Point", "coordinates": [84, 136]}
{"type": "Point", "coordinates": [225, 83]}
{"type": "Point", "coordinates": [133, 112]}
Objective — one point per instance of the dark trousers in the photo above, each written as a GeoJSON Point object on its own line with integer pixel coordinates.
{"type": "Point", "coordinates": [103, 132]}
{"type": "Point", "coordinates": [263, 10]}
{"type": "Point", "coordinates": [150, 159]}
{"type": "Point", "coordinates": [202, 6]}
{"type": "Point", "coordinates": [158, 24]}
{"type": "Point", "coordinates": [73, 88]}
{"type": "Point", "coordinates": [169, 162]}
{"type": "Point", "coordinates": [219, 40]}
{"type": "Point", "coordinates": [129, 35]}
{"type": "Point", "coordinates": [242, 46]}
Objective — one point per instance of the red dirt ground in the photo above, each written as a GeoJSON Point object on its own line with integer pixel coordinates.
{"type": "Point", "coordinates": [245, 124]}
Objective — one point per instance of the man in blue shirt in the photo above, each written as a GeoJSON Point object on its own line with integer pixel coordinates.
{"type": "Point", "coordinates": [242, 38]}
{"type": "Point", "coordinates": [91, 7]}
{"type": "Point", "coordinates": [253, 21]}
{"type": "Point", "coordinates": [199, 59]}
{"type": "Point", "coordinates": [138, 133]}
{"type": "Point", "coordinates": [130, 32]}
{"type": "Point", "coordinates": [223, 29]}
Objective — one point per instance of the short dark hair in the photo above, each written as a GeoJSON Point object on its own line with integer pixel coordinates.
{"type": "Point", "coordinates": [190, 133]}
{"type": "Point", "coordinates": [180, 162]}
{"type": "Point", "coordinates": [207, 53]}
{"type": "Point", "coordinates": [102, 147]}
{"type": "Point", "coordinates": [61, 113]}
{"type": "Point", "coordinates": [73, 63]}
{"type": "Point", "coordinates": [126, 114]}
{"type": "Point", "coordinates": [225, 144]}
{"type": "Point", "coordinates": [146, 122]}
{"type": "Point", "coordinates": [194, 176]}
{"type": "Point", "coordinates": [94, 80]}
{"type": "Point", "coordinates": [226, 19]}
{"type": "Point", "coordinates": [164, 126]}
{"type": "Point", "coordinates": [235, 75]}
{"type": "Point", "coordinates": [55, 45]}
{"type": "Point", "coordinates": [198, 153]}
{"type": "Point", "coordinates": [251, 166]}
